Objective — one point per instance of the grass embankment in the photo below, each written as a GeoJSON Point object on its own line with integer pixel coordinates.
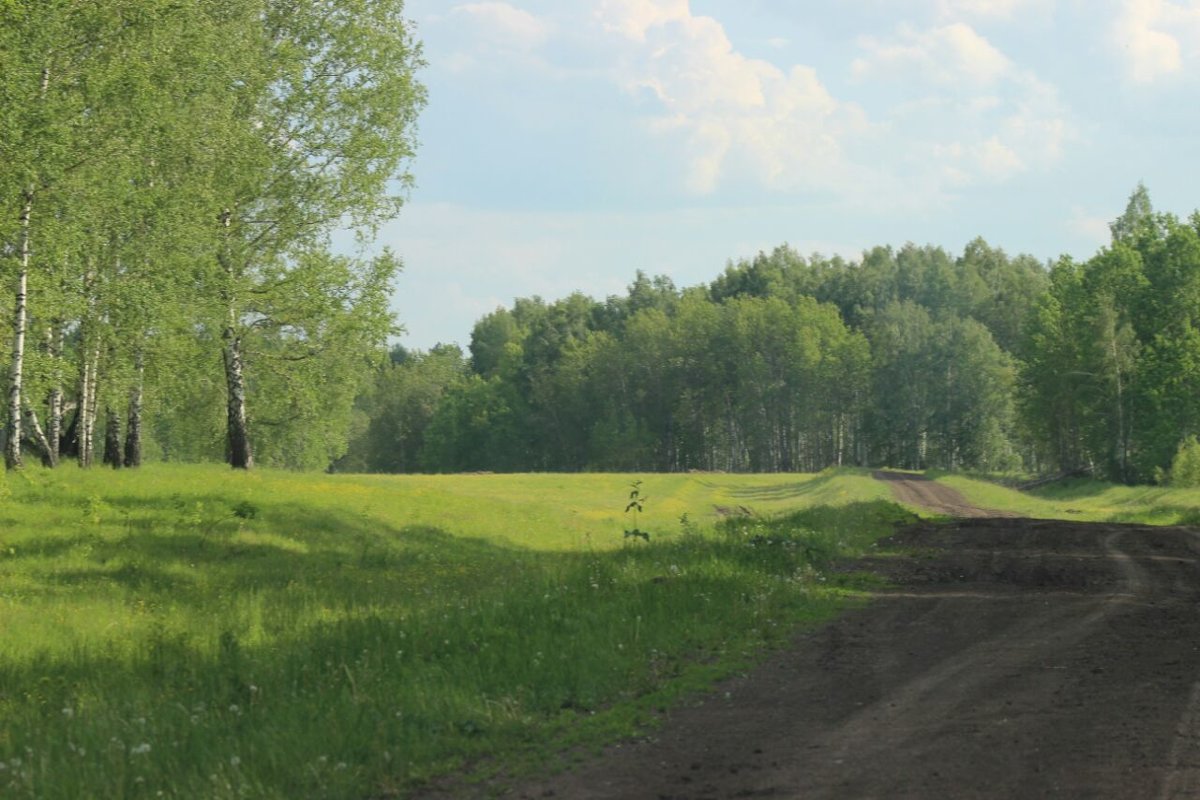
{"type": "Point", "coordinates": [1084, 500]}
{"type": "Point", "coordinates": [191, 632]}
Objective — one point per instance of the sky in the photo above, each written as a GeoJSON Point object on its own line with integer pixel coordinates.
{"type": "Point", "coordinates": [569, 143]}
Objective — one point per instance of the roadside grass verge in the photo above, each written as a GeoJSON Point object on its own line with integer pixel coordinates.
{"type": "Point", "coordinates": [1083, 499]}
{"type": "Point", "coordinates": [190, 632]}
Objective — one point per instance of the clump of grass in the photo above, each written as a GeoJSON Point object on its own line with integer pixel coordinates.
{"type": "Point", "coordinates": [184, 632]}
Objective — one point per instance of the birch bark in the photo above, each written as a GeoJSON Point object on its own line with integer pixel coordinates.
{"type": "Point", "coordinates": [240, 455]}
{"type": "Point", "coordinates": [112, 438]}
{"type": "Point", "coordinates": [12, 446]}
{"type": "Point", "coordinates": [133, 428]}
{"type": "Point", "coordinates": [55, 400]}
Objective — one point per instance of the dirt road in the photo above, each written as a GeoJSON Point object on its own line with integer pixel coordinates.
{"type": "Point", "coordinates": [917, 490]}
{"type": "Point", "coordinates": [1012, 659]}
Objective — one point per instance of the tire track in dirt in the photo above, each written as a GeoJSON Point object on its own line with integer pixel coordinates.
{"type": "Point", "coordinates": [947, 689]}
{"type": "Point", "coordinates": [1008, 658]}
{"type": "Point", "coordinates": [1183, 763]}
{"type": "Point", "coordinates": [1183, 779]}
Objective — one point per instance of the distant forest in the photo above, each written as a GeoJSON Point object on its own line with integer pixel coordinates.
{"type": "Point", "coordinates": [910, 357]}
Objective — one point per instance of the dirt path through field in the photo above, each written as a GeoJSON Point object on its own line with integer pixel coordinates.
{"type": "Point", "coordinates": [1012, 658]}
{"type": "Point", "coordinates": [918, 490]}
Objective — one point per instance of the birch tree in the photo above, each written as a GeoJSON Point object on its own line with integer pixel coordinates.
{"type": "Point", "coordinates": [318, 135]}
{"type": "Point", "coordinates": [58, 63]}
{"type": "Point", "coordinates": [84, 88]}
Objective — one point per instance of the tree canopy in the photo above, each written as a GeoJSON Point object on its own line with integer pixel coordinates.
{"type": "Point", "coordinates": [171, 177]}
{"type": "Point", "coordinates": [910, 357]}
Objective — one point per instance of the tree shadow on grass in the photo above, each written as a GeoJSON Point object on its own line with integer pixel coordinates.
{"type": "Point", "coordinates": [327, 557]}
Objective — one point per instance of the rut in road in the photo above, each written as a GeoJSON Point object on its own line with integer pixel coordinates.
{"type": "Point", "coordinates": [1009, 658]}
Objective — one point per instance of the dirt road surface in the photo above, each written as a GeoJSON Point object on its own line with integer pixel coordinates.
{"type": "Point", "coordinates": [918, 490]}
{"type": "Point", "coordinates": [1010, 658]}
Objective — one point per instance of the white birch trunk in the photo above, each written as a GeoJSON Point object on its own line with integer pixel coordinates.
{"type": "Point", "coordinates": [55, 400]}
{"type": "Point", "coordinates": [39, 437]}
{"type": "Point", "coordinates": [12, 447]}
{"type": "Point", "coordinates": [92, 406]}
{"type": "Point", "coordinates": [237, 426]}
{"type": "Point", "coordinates": [112, 438]}
{"type": "Point", "coordinates": [87, 407]}
{"type": "Point", "coordinates": [240, 455]}
{"type": "Point", "coordinates": [81, 423]}
{"type": "Point", "coordinates": [133, 429]}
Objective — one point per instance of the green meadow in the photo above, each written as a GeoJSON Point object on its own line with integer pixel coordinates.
{"type": "Point", "coordinates": [189, 631]}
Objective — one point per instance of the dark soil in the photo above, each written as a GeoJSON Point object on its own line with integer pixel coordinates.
{"type": "Point", "coordinates": [1012, 659]}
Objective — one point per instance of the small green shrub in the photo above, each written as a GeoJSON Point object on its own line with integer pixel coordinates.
{"type": "Point", "coordinates": [636, 504]}
{"type": "Point", "coordinates": [1185, 467]}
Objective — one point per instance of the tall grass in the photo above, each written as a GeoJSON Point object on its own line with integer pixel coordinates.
{"type": "Point", "coordinates": [191, 632]}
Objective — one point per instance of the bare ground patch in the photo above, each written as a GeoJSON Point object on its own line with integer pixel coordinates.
{"type": "Point", "coordinates": [1007, 658]}
{"type": "Point", "coordinates": [918, 490]}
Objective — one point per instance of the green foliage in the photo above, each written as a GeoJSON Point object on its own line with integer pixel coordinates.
{"type": "Point", "coordinates": [636, 504]}
{"type": "Point", "coordinates": [782, 363]}
{"type": "Point", "coordinates": [942, 392]}
{"type": "Point", "coordinates": [1139, 214]}
{"type": "Point", "coordinates": [399, 407]}
{"type": "Point", "coordinates": [1111, 372]}
{"type": "Point", "coordinates": [476, 426]}
{"type": "Point", "coordinates": [181, 167]}
{"type": "Point", "coordinates": [1185, 467]}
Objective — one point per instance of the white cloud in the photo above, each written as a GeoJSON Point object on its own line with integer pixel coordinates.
{"type": "Point", "coordinates": [489, 34]}
{"type": "Point", "coordinates": [964, 163]}
{"type": "Point", "coordinates": [947, 107]}
{"type": "Point", "coordinates": [996, 159]}
{"type": "Point", "coordinates": [1155, 37]}
{"type": "Point", "coordinates": [1038, 125]}
{"type": "Point", "coordinates": [986, 8]}
{"type": "Point", "coordinates": [981, 116]}
{"type": "Point", "coordinates": [1091, 228]}
{"type": "Point", "coordinates": [783, 128]}
{"type": "Point", "coordinates": [634, 18]}
{"type": "Point", "coordinates": [502, 24]}
{"type": "Point", "coordinates": [948, 55]}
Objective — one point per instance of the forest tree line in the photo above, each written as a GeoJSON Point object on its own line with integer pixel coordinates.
{"type": "Point", "coordinates": [170, 177]}
{"type": "Point", "coordinates": [909, 357]}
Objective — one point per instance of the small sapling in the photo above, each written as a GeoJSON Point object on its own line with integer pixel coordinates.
{"type": "Point", "coordinates": [636, 501]}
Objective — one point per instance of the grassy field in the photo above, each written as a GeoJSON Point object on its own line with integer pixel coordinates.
{"type": "Point", "coordinates": [193, 632]}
